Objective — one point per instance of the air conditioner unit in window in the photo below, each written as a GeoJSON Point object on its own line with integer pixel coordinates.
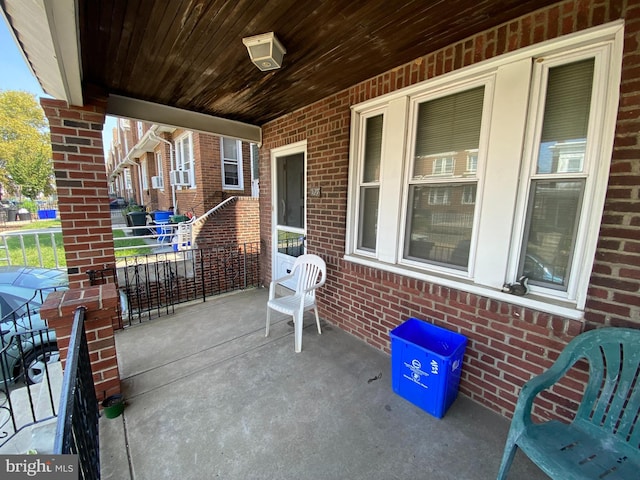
{"type": "Point", "coordinates": [180, 177]}
{"type": "Point", "coordinates": [157, 182]}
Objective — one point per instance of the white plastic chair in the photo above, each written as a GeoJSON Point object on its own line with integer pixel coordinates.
{"type": "Point", "coordinates": [311, 273]}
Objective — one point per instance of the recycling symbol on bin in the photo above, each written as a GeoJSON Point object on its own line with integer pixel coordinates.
{"type": "Point", "coordinates": [415, 363]}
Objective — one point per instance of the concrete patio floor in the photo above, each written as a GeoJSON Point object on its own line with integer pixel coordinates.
{"type": "Point", "coordinates": [208, 396]}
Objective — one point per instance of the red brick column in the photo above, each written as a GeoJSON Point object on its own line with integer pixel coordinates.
{"type": "Point", "coordinates": [81, 180]}
{"type": "Point", "coordinates": [101, 303]}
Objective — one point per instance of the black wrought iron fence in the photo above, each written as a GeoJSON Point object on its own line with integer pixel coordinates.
{"type": "Point", "coordinates": [27, 351]}
{"type": "Point", "coordinates": [77, 430]}
{"type": "Point", "coordinates": [152, 284]}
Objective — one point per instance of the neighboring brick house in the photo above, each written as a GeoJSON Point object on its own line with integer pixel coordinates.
{"type": "Point", "coordinates": [162, 167]}
{"type": "Point", "coordinates": [166, 168]}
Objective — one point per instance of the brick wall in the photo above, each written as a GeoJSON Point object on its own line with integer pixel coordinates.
{"type": "Point", "coordinates": [507, 344]}
{"type": "Point", "coordinates": [236, 223]}
{"type": "Point", "coordinates": [207, 168]}
{"type": "Point", "coordinates": [101, 318]}
{"type": "Point", "coordinates": [81, 182]}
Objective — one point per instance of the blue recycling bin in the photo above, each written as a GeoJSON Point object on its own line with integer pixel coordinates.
{"type": "Point", "coordinates": [426, 363]}
{"type": "Point", "coordinates": [45, 214]}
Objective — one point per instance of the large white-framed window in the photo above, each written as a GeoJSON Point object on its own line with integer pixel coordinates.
{"type": "Point", "coordinates": [128, 184]}
{"type": "Point", "coordinates": [231, 163]}
{"type": "Point", "coordinates": [255, 170]}
{"type": "Point", "coordinates": [372, 126]}
{"type": "Point", "coordinates": [185, 160]}
{"type": "Point", "coordinates": [159, 171]}
{"type": "Point", "coordinates": [494, 172]}
{"type": "Point", "coordinates": [144, 172]}
{"type": "Point", "coordinates": [140, 129]}
{"type": "Point", "coordinates": [446, 127]}
{"type": "Point", "coordinates": [561, 178]}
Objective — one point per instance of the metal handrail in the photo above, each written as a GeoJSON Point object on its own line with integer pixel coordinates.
{"type": "Point", "coordinates": [213, 210]}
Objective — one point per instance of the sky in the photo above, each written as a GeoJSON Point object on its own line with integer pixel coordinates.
{"type": "Point", "coordinates": [16, 75]}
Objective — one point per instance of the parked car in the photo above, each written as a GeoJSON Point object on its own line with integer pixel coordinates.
{"type": "Point", "coordinates": [117, 203]}
{"type": "Point", "coordinates": [26, 343]}
{"type": "Point", "coordinates": [536, 269]}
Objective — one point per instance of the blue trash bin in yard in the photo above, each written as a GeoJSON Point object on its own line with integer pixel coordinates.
{"type": "Point", "coordinates": [45, 214]}
{"type": "Point", "coordinates": [426, 362]}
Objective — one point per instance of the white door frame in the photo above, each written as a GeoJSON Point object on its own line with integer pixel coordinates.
{"type": "Point", "coordinates": [292, 149]}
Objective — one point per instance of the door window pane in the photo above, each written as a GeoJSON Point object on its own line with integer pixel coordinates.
{"type": "Point", "coordinates": [551, 231]}
{"type": "Point", "coordinates": [290, 243]}
{"type": "Point", "coordinates": [290, 189]}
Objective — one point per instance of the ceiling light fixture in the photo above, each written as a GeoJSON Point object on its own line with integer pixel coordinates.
{"type": "Point", "coordinates": [265, 51]}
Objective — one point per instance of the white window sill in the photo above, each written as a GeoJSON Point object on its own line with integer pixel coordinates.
{"type": "Point", "coordinates": [532, 301]}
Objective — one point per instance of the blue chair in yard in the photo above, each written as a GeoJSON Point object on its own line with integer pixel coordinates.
{"type": "Point", "coordinates": [603, 440]}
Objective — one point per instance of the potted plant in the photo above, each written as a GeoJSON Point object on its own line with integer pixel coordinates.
{"type": "Point", "coordinates": [113, 406]}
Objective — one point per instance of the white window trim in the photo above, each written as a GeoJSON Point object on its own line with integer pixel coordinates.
{"type": "Point", "coordinates": [159, 169]}
{"type": "Point", "coordinates": [487, 81]}
{"type": "Point", "coordinates": [239, 161]}
{"type": "Point", "coordinates": [592, 172]}
{"type": "Point", "coordinates": [180, 158]}
{"type": "Point", "coordinates": [286, 150]}
{"type": "Point", "coordinates": [254, 159]}
{"type": "Point", "coordinates": [489, 264]}
{"type": "Point", "coordinates": [127, 179]}
{"type": "Point", "coordinates": [144, 173]}
{"type": "Point", "coordinates": [360, 172]}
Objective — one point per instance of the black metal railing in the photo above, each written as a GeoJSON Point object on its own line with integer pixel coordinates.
{"type": "Point", "coordinates": [27, 350]}
{"type": "Point", "coordinates": [292, 246]}
{"type": "Point", "coordinates": [152, 284]}
{"type": "Point", "coordinates": [77, 429]}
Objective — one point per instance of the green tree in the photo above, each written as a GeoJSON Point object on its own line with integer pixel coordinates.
{"type": "Point", "coordinates": [25, 149]}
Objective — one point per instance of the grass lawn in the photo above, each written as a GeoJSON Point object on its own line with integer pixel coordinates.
{"type": "Point", "coordinates": [38, 246]}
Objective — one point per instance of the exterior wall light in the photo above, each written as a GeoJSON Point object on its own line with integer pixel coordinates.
{"type": "Point", "coordinates": [265, 51]}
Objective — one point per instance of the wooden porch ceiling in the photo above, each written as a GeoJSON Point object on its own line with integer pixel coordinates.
{"type": "Point", "coordinates": [189, 54]}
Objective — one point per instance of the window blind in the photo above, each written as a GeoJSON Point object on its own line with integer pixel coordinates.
{"type": "Point", "coordinates": [372, 149]}
{"type": "Point", "coordinates": [450, 124]}
{"type": "Point", "coordinates": [568, 100]}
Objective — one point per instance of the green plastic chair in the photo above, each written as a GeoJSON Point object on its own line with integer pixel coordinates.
{"type": "Point", "coordinates": [603, 440]}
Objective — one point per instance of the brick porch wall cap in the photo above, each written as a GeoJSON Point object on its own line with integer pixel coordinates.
{"type": "Point", "coordinates": [60, 303]}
